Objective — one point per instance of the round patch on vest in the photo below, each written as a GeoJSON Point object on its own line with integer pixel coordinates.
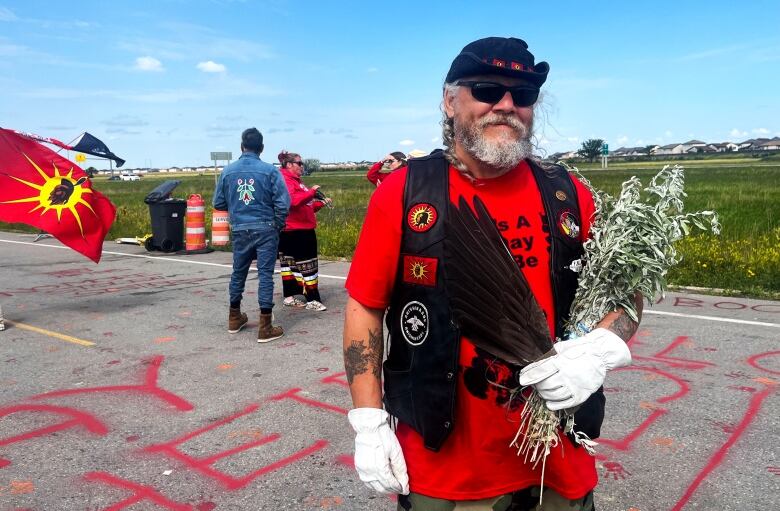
{"type": "Point", "coordinates": [568, 225]}
{"type": "Point", "coordinates": [421, 217]}
{"type": "Point", "coordinates": [560, 195]}
{"type": "Point", "coordinates": [414, 323]}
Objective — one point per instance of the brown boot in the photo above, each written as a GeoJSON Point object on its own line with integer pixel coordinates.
{"type": "Point", "coordinates": [236, 320]}
{"type": "Point", "coordinates": [267, 332]}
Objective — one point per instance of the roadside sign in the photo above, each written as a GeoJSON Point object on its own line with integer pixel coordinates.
{"type": "Point", "coordinates": [217, 156]}
{"type": "Point", "coordinates": [605, 150]}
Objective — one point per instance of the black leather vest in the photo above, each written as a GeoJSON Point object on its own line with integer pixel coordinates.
{"type": "Point", "coordinates": [420, 373]}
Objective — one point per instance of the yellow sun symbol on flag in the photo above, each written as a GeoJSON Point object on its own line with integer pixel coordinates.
{"type": "Point", "coordinates": [419, 270]}
{"type": "Point", "coordinates": [57, 192]}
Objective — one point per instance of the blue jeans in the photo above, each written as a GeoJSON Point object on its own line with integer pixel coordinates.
{"type": "Point", "coordinates": [261, 244]}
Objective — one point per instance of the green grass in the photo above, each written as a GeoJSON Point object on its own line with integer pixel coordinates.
{"type": "Point", "coordinates": [744, 259]}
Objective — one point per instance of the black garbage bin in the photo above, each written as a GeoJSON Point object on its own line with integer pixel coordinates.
{"type": "Point", "coordinates": [167, 218]}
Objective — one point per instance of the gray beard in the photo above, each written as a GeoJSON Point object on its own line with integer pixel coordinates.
{"type": "Point", "coordinates": [503, 154]}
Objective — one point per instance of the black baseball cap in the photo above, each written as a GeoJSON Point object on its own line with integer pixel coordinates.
{"type": "Point", "coordinates": [507, 56]}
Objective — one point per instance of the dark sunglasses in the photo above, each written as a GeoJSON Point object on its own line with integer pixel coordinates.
{"type": "Point", "coordinates": [297, 163]}
{"type": "Point", "coordinates": [491, 92]}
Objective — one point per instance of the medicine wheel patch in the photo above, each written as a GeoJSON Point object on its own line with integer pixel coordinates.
{"type": "Point", "coordinates": [421, 217]}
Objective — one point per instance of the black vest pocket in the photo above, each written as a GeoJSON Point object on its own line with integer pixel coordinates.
{"type": "Point", "coordinates": [398, 395]}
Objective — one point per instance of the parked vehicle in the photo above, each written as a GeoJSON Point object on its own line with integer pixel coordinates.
{"type": "Point", "coordinates": [130, 177]}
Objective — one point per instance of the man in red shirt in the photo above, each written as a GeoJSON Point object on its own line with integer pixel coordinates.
{"type": "Point", "coordinates": [456, 409]}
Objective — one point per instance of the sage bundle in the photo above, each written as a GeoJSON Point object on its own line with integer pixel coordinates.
{"type": "Point", "coordinates": [630, 250]}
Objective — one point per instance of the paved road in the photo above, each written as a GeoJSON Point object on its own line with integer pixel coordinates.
{"type": "Point", "coordinates": [121, 389]}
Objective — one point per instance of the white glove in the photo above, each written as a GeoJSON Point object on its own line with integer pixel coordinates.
{"type": "Point", "coordinates": [379, 460]}
{"type": "Point", "coordinates": [578, 368]}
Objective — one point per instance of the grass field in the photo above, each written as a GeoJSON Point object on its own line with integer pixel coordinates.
{"type": "Point", "coordinates": [744, 259]}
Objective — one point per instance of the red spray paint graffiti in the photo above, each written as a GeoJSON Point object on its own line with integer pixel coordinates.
{"type": "Point", "coordinates": [76, 418]}
{"type": "Point", "coordinates": [140, 493]}
{"type": "Point", "coordinates": [205, 466]}
{"type": "Point", "coordinates": [753, 407]}
{"type": "Point", "coordinates": [664, 358]}
{"type": "Point", "coordinates": [149, 386]}
{"type": "Point", "coordinates": [337, 379]}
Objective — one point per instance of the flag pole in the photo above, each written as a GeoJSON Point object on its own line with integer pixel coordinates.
{"type": "Point", "coordinates": [71, 143]}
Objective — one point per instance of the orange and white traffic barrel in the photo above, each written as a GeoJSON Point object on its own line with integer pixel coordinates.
{"type": "Point", "coordinates": [220, 228]}
{"type": "Point", "coordinates": [195, 223]}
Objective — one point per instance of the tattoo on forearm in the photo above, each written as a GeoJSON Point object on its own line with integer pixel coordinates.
{"type": "Point", "coordinates": [375, 352]}
{"type": "Point", "coordinates": [359, 358]}
{"type": "Point", "coordinates": [623, 326]}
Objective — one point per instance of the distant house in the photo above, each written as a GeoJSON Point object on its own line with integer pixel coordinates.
{"type": "Point", "coordinates": [770, 145]}
{"type": "Point", "coordinates": [692, 144]}
{"type": "Point", "coordinates": [725, 147]}
{"type": "Point", "coordinates": [752, 144]}
{"type": "Point", "coordinates": [567, 155]}
{"type": "Point", "coordinates": [633, 151]}
{"type": "Point", "coordinates": [670, 149]}
{"type": "Point", "coordinates": [619, 152]}
{"type": "Point", "coordinates": [704, 148]}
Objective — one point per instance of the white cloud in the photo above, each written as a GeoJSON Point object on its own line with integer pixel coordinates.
{"type": "Point", "coordinates": [406, 142]}
{"type": "Point", "coordinates": [435, 139]}
{"type": "Point", "coordinates": [668, 133]}
{"type": "Point", "coordinates": [622, 139]}
{"type": "Point", "coordinates": [8, 49]}
{"type": "Point", "coordinates": [572, 139]}
{"type": "Point", "coordinates": [211, 67]}
{"type": "Point", "coordinates": [124, 120]}
{"type": "Point", "coordinates": [736, 133]}
{"type": "Point", "coordinates": [235, 88]}
{"type": "Point", "coordinates": [183, 40]}
{"type": "Point", "coordinates": [148, 64]}
{"type": "Point", "coordinates": [713, 52]}
{"type": "Point", "coordinates": [760, 131]}
{"type": "Point", "coordinates": [7, 14]}
{"type": "Point", "coordinates": [372, 70]}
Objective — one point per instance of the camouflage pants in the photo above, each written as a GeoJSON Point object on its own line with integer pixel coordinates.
{"type": "Point", "coordinates": [523, 500]}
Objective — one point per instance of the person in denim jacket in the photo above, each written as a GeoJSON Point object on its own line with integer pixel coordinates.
{"type": "Point", "coordinates": [256, 199]}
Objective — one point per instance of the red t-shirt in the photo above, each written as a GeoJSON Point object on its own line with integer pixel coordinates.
{"type": "Point", "coordinates": [476, 461]}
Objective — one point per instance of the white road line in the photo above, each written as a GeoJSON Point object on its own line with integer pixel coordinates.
{"type": "Point", "coordinates": [158, 258]}
{"type": "Point", "coordinates": [337, 277]}
{"type": "Point", "coordinates": [711, 318]}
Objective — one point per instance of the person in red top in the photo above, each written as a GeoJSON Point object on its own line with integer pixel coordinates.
{"type": "Point", "coordinates": [393, 161]}
{"type": "Point", "coordinates": [488, 101]}
{"type": "Point", "coordinates": [298, 239]}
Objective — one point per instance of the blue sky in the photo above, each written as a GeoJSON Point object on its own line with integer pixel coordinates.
{"type": "Point", "coordinates": [165, 82]}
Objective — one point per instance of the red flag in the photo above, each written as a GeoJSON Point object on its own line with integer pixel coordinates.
{"type": "Point", "coordinates": [38, 187]}
{"type": "Point", "coordinates": [420, 270]}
